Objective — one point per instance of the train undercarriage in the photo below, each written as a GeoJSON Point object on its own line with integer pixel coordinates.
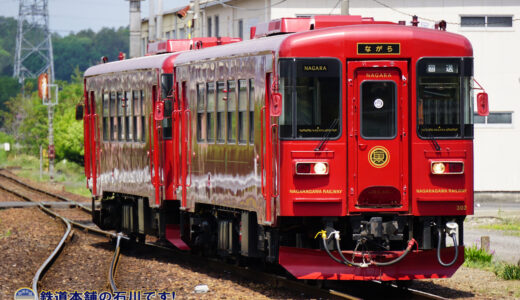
{"type": "Point", "coordinates": [365, 241]}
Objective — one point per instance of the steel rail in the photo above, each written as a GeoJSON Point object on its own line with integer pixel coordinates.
{"type": "Point", "coordinates": [417, 293]}
{"type": "Point", "coordinates": [113, 265]}
{"type": "Point", "coordinates": [50, 260]}
{"type": "Point", "coordinates": [87, 229]}
{"type": "Point", "coordinates": [80, 205]}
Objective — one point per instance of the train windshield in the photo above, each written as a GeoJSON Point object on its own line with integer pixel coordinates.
{"type": "Point", "coordinates": [311, 98]}
{"type": "Point", "coordinates": [444, 98]}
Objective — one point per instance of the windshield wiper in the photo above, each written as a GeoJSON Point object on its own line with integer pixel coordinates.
{"type": "Point", "coordinates": [434, 141]}
{"type": "Point", "coordinates": [327, 134]}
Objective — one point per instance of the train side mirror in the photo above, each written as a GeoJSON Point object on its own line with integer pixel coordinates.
{"type": "Point", "coordinates": [276, 104]}
{"type": "Point", "coordinates": [79, 112]}
{"type": "Point", "coordinates": [482, 104]}
{"type": "Point", "coordinates": [159, 111]}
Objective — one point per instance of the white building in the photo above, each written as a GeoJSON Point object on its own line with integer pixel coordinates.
{"type": "Point", "coordinates": [492, 26]}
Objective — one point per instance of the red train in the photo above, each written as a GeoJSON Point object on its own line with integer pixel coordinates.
{"type": "Point", "coordinates": [338, 147]}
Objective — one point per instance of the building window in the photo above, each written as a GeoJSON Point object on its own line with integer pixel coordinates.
{"type": "Point", "coordinates": [173, 35]}
{"type": "Point", "coordinates": [182, 34]}
{"type": "Point", "coordinates": [217, 31]}
{"type": "Point", "coordinates": [209, 26]}
{"type": "Point", "coordinates": [486, 21]}
{"type": "Point", "coordinates": [241, 28]}
{"type": "Point", "coordinates": [495, 118]}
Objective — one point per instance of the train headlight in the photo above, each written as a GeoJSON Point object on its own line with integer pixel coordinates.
{"type": "Point", "coordinates": [320, 168]}
{"type": "Point", "coordinates": [312, 168]}
{"type": "Point", "coordinates": [438, 168]}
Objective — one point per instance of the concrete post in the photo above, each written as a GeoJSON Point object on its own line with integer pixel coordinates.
{"type": "Point", "coordinates": [345, 7]}
{"type": "Point", "coordinates": [135, 28]}
{"type": "Point", "coordinates": [159, 25]}
{"type": "Point", "coordinates": [151, 21]}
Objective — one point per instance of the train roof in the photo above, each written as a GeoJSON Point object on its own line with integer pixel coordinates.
{"type": "Point", "coordinates": [414, 41]}
{"type": "Point", "coordinates": [140, 63]}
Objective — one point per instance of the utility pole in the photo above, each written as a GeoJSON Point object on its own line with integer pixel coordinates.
{"type": "Point", "coordinates": [33, 54]}
{"type": "Point", "coordinates": [151, 21]}
{"type": "Point", "coordinates": [345, 7]}
{"type": "Point", "coordinates": [159, 21]}
{"type": "Point", "coordinates": [135, 28]}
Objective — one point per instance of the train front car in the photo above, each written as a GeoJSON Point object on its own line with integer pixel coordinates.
{"type": "Point", "coordinates": [376, 152]}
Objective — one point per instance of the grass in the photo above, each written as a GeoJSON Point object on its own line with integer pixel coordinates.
{"type": "Point", "coordinates": [68, 174]}
{"type": "Point", "coordinates": [481, 259]}
{"type": "Point", "coordinates": [510, 226]}
{"type": "Point", "coordinates": [478, 258]}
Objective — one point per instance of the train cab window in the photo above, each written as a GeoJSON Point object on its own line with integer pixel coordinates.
{"type": "Point", "coordinates": [311, 92]}
{"type": "Point", "coordinates": [242, 111]}
{"type": "Point", "coordinates": [128, 116]}
{"type": "Point", "coordinates": [201, 113]}
{"type": "Point", "coordinates": [113, 117]}
{"type": "Point", "coordinates": [166, 86]}
{"type": "Point", "coordinates": [120, 117]}
{"type": "Point", "coordinates": [251, 111]}
{"type": "Point", "coordinates": [106, 117]}
{"type": "Point", "coordinates": [136, 108]}
{"type": "Point", "coordinates": [221, 112]}
{"type": "Point", "coordinates": [210, 117]}
{"type": "Point", "coordinates": [167, 121]}
{"type": "Point", "coordinates": [378, 110]}
{"type": "Point", "coordinates": [231, 112]}
{"type": "Point", "coordinates": [444, 98]}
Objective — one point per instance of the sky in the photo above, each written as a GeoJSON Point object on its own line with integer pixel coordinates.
{"type": "Point", "coordinates": [74, 15]}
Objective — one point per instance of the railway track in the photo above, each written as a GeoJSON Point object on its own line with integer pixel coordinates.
{"type": "Point", "coordinates": [318, 289]}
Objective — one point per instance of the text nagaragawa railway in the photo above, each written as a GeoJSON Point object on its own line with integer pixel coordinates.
{"type": "Point", "coordinates": [337, 147]}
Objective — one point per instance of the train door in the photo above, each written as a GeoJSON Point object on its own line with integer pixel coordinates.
{"type": "Point", "coordinates": [269, 149]}
{"type": "Point", "coordinates": [184, 117]}
{"type": "Point", "coordinates": [91, 138]}
{"type": "Point", "coordinates": [378, 152]}
{"type": "Point", "coordinates": [155, 146]}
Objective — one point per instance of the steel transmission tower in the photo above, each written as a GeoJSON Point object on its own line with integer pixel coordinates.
{"type": "Point", "coordinates": [33, 41]}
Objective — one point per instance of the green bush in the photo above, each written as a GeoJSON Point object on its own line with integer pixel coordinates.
{"type": "Point", "coordinates": [477, 255]}
{"type": "Point", "coordinates": [508, 272]}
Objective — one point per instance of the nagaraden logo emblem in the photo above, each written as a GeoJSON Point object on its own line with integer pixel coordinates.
{"type": "Point", "coordinates": [378, 157]}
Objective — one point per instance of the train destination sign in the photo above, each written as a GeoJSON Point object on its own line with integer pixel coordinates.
{"type": "Point", "coordinates": [378, 48]}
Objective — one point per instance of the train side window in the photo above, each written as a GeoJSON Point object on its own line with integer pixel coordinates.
{"type": "Point", "coordinates": [120, 117]}
{"type": "Point", "coordinates": [136, 109]}
{"type": "Point", "coordinates": [201, 113]}
{"type": "Point", "coordinates": [143, 116]}
{"type": "Point", "coordinates": [106, 117]}
{"type": "Point", "coordinates": [128, 116]}
{"type": "Point", "coordinates": [231, 112]}
{"type": "Point", "coordinates": [242, 111]}
{"type": "Point", "coordinates": [251, 111]}
{"type": "Point", "coordinates": [210, 117]}
{"type": "Point", "coordinates": [113, 117]}
{"type": "Point", "coordinates": [221, 112]}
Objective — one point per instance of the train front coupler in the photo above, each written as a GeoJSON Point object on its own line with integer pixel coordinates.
{"type": "Point", "coordinates": [366, 256]}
